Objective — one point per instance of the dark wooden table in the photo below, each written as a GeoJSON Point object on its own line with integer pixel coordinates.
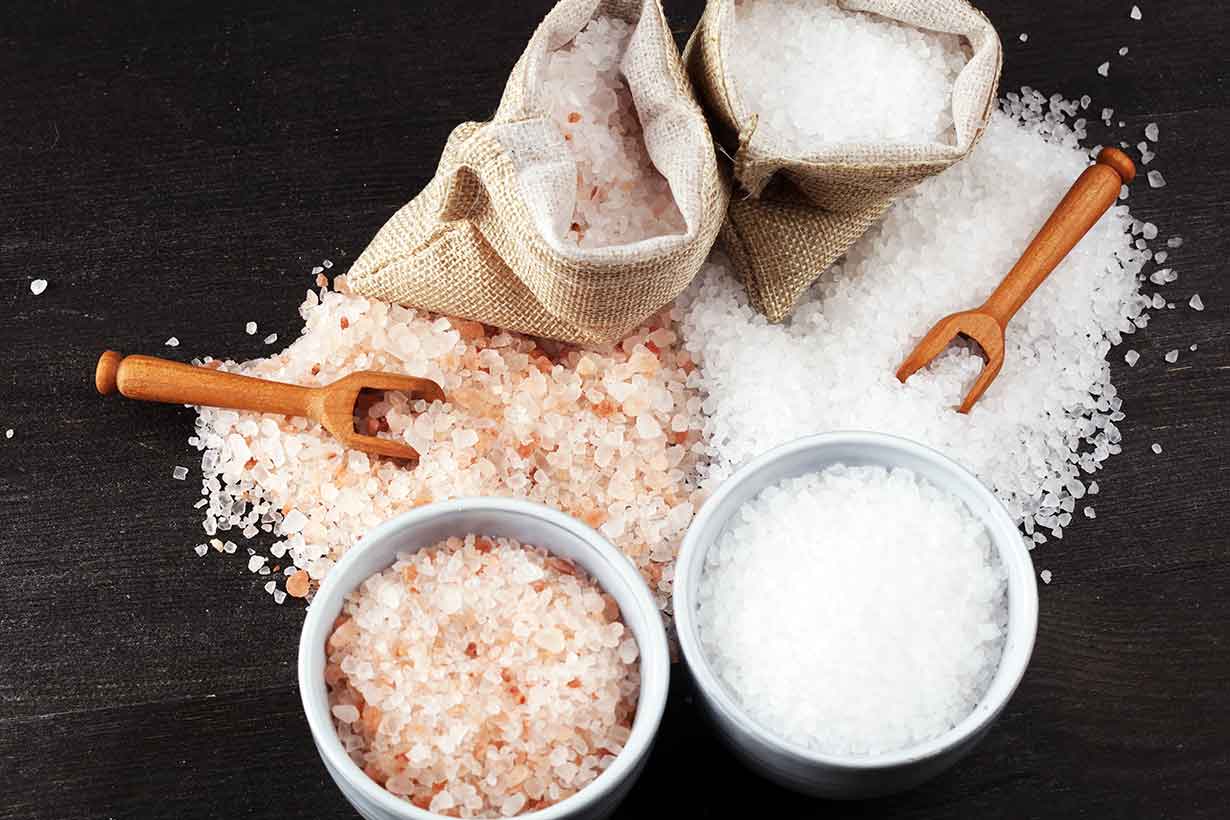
{"type": "Point", "coordinates": [176, 168]}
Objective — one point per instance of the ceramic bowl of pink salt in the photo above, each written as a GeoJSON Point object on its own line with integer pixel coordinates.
{"type": "Point", "coordinates": [483, 658]}
{"type": "Point", "coordinates": [856, 610]}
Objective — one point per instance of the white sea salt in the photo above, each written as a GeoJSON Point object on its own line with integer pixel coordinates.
{"type": "Point", "coordinates": [271, 338]}
{"type": "Point", "coordinates": [1024, 37]}
{"type": "Point", "coordinates": [201, 549]}
{"type": "Point", "coordinates": [179, 473]}
{"type": "Point", "coordinates": [621, 196]}
{"type": "Point", "coordinates": [1196, 303]}
{"type": "Point", "coordinates": [1174, 242]}
{"type": "Point", "coordinates": [1156, 180]}
{"type": "Point", "coordinates": [1135, 13]}
{"type": "Point", "coordinates": [255, 562]}
{"type": "Point", "coordinates": [1193, 348]}
{"type": "Point", "coordinates": [1131, 357]}
{"type": "Point", "coordinates": [766, 384]}
{"type": "Point", "coordinates": [1151, 132]}
{"type": "Point", "coordinates": [250, 328]}
{"type": "Point", "coordinates": [172, 342]}
{"type": "Point", "coordinates": [1123, 51]}
{"type": "Point", "coordinates": [815, 72]}
{"type": "Point", "coordinates": [1046, 576]}
{"type": "Point", "coordinates": [1172, 356]}
{"type": "Point", "coordinates": [328, 263]}
{"type": "Point", "coordinates": [499, 723]}
{"type": "Point", "coordinates": [37, 286]}
{"type": "Point", "coordinates": [1104, 69]}
{"type": "Point", "coordinates": [797, 592]}
{"type": "Point", "coordinates": [1156, 448]}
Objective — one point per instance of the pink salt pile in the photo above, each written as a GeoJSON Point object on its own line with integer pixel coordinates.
{"type": "Point", "coordinates": [621, 196]}
{"type": "Point", "coordinates": [482, 678]}
{"type": "Point", "coordinates": [608, 437]}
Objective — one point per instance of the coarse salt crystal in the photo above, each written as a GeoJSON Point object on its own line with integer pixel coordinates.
{"type": "Point", "coordinates": [1172, 356]}
{"type": "Point", "coordinates": [1123, 51]}
{"type": "Point", "coordinates": [256, 562]}
{"type": "Point", "coordinates": [1046, 576]}
{"type": "Point", "coordinates": [250, 328]}
{"type": "Point", "coordinates": [37, 286]}
{"type": "Point", "coordinates": [8, 433]}
{"type": "Point", "coordinates": [1135, 13]}
{"type": "Point", "coordinates": [1151, 132]}
{"type": "Point", "coordinates": [1104, 69]}
{"type": "Point", "coordinates": [1156, 180]}
{"type": "Point", "coordinates": [1024, 37]}
{"type": "Point", "coordinates": [201, 549]}
{"type": "Point", "coordinates": [1131, 357]}
{"type": "Point", "coordinates": [179, 473]}
{"type": "Point", "coordinates": [1156, 448]}
{"type": "Point", "coordinates": [1196, 303]}
{"type": "Point", "coordinates": [172, 342]}
{"type": "Point", "coordinates": [271, 338]}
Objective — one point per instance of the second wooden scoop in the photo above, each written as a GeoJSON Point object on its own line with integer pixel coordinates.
{"type": "Point", "coordinates": [1089, 197]}
{"type": "Point", "coordinates": [152, 379]}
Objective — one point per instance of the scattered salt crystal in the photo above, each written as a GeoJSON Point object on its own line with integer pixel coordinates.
{"type": "Point", "coordinates": [1172, 356]}
{"type": "Point", "coordinates": [1196, 303]}
{"type": "Point", "coordinates": [1151, 132]}
{"type": "Point", "coordinates": [1135, 13]}
{"type": "Point", "coordinates": [1104, 69]}
{"type": "Point", "coordinates": [317, 270]}
{"type": "Point", "coordinates": [271, 338]}
{"type": "Point", "coordinates": [256, 562]}
{"type": "Point", "coordinates": [1174, 242]}
{"type": "Point", "coordinates": [1046, 576]}
{"type": "Point", "coordinates": [279, 596]}
{"type": "Point", "coordinates": [230, 547]}
{"type": "Point", "coordinates": [328, 263]}
{"type": "Point", "coordinates": [1107, 113]}
{"type": "Point", "coordinates": [179, 473]}
{"type": "Point", "coordinates": [1085, 101]}
{"type": "Point", "coordinates": [8, 433]}
{"type": "Point", "coordinates": [1131, 357]}
{"type": "Point", "coordinates": [172, 342]}
{"type": "Point", "coordinates": [270, 586]}
{"type": "Point", "coordinates": [1156, 180]}
{"type": "Point", "coordinates": [250, 328]}
{"type": "Point", "coordinates": [814, 557]}
{"type": "Point", "coordinates": [1193, 348]}
{"type": "Point", "coordinates": [1160, 257]}
{"type": "Point", "coordinates": [1024, 37]}
{"type": "Point", "coordinates": [495, 724]}
{"type": "Point", "coordinates": [1123, 51]}
{"type": "Point", "coordinates": [1090, 512]}
{"type": "Point", "coordinates": [37, 286]}
{"type": "Point", "coordinates": [201, 549]}
{"type": "Point", "coordinates": [1156, 448]}
{"type": "Point", "coordinates": [1093, 488]}
{"type": "Point", "coordinates": [1149, 231]}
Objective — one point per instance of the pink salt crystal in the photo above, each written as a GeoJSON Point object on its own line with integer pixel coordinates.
{"type": "Point", "coordinates": [346, 713]}
{"type": "Point", "coordinates": [550, 639]}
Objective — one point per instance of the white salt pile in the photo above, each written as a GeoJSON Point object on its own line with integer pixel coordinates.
{"type": "Point", "coordinates": [481, 678]}
{"type": "Point", "coordinates": [621, 197]}
{"type": "Point", "coordinates": [854, 611]}
{"type": "Point", "coordinates": [610, 438]}
{"type": "Point", "coordinates": [1048, 421]}
{"type": "Point", "coordinates": [817, 73]}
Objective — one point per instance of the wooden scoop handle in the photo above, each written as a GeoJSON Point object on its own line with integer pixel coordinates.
{"type": "Point", "coordinates": [148, 378]}
{"type": "Point", "coordinates": [1089, 197]}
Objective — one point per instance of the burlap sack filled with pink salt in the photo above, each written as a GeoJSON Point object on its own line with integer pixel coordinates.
{"type": "Point", "coordinates": [793, 214]}
{"type": "Point", "coordinates": [494, 236]}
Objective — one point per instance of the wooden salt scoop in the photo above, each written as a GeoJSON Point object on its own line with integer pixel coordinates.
{"type": "Point", "coordinates": [1089, 197]}
{"type": "Point", "coordinates": [152, 379]}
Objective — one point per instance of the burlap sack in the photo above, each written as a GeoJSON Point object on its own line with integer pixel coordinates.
{"type": "Point", "coordinates": [795, 215]}
{"type": "Point", "coordinates": [484, 239]}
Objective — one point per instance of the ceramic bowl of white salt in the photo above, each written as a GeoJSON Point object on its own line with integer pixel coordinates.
{"type": "Point", "coordinates": [856, 610]}
{"type": "Point", "coordinates": [424, 546]}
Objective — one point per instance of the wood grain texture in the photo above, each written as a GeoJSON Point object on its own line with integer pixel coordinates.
{"type": "Point", "coordinates": [176, 169]}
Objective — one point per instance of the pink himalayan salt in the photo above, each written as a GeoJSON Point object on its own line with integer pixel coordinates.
{"type": "Point", "coordinates": [510, 702]}
{"type": "Point", "coordinates": [611, 437]}
{"type": "Point", "coordinates": [621, 196]}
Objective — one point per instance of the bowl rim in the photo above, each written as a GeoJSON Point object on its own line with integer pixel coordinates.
{"type": "Point", "coordinates": [651, 700]}
{"type": "Point", "coordinates": [1022, 607]}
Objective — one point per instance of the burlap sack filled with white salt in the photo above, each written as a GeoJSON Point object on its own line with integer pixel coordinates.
{"type": "Point", "coordinates": [488, 238]}
{"type": "Point", "coordinates": [792, 216]}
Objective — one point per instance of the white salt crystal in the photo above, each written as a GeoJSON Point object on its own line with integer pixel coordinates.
{"type": "Point", "coordinates": [1085, 101]}
{"type": "Point", "coordinates": [1024, 37]}
{"type": "Point", "coordinates": [1046, 576]}
{"type": "Point", "coordinates": [294, 522]}
{"type": "Point", "coordinates": [1193, 348]}
{"type": "Point", "coordinates": [1174, 242]}
{"type": "Point", "coordinates": [230, 547]}
{"type": "Point", "coordinates": [256, 562]}
{"type": "Point", "coordinates": [328, 263]}
{"type": "Point", "coordinates": [250, 328]}
{"type": "Point", "coordinates": [271, 338]}
{"type": "Point", "coordinates": [279, 596]}
{"type": "Point", "coordinates": [1196, 303]}
{"type": "Point", "coordinates": [1093, 488]}
{"type": "Point", "coordinates": [201, 549]}
{"type": "Point", "coordinates": [8, 433]}
{"type": "Point", "coordinates": [1156, 180]}
{"type": "Point", "coordinates": [1107, 113]}
{"type": "Point", "coordinates": [317, 270]}
{"type": "Point", "coordinates": [1172, 356]}
{"type": "Point", "coordinates": [172, 342]}
{"type": "Point", "coordinates": [1151, 132]}
{"type": "Point", "coordinates": [883, 81]}
{"type": "Point", "coordinates": [1156, 448]}
{"type": "Point", "coordinates": [1160, 257]}
{"type": "Point", "coordinates": [1135, 13]}
{"type": "Point", "coordinates": [37, 286]}
{"type": "Point", "coordinates": [179, 473]}
{"type": "Point", "coordinates": [270, 586]}
{"type": "Point", "coordinates": [1123, 51]}
{"type": "Point", "coordinates": [1131, 357]}
{"type": "Point", "coordinates": [1104, 69]}
{"type": "Point", "coordinates": [1090, 512]}
{"type": "Point", "coordinates": [787, 595]}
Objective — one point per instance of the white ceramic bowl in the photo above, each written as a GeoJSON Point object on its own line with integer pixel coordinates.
{"type": "Point", "coordinates": [530, 524]}
{"type": "Point", "coordinates": [842, 776]}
